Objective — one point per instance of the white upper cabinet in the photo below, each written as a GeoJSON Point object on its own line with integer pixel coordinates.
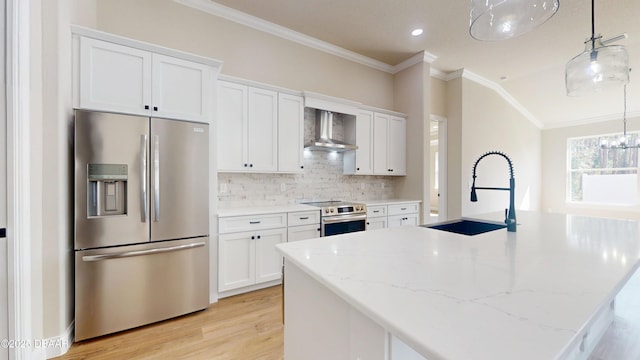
{"type": "Point", "coordinates": [259, 130]}
{"type": "Point", "coordinates": [262, 130]}
{"type": "Point", "coordinates": [247, 128]}
{"type": "Point", "coordinates": [114, 77]}
{"type": "Point", "coordinates": [119, 78]}
{"type": "Point", "coordinates": [389, 145]}
{"type": "Point", "coordinates": [232, 126]}
{"type": "Point", "coordinates": [360, 133]}
{"type": "Point", "coordinates": [181, 89]}
{"type": "Point", "coordinates": [290, 133]}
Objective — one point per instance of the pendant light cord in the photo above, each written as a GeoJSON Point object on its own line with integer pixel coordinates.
{"type": "Point", "coordinates": [593, 25]}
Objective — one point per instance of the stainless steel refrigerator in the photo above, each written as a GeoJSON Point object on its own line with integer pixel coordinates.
{"type": "Point", "coordinates": [141, 221]}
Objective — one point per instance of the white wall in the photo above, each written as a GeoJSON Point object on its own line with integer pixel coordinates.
{"type": "Point", "coordinates": [411, 97]}
{"type": "Point", "coordinates": [554, 172]}
{"type": "Point", "coordinates": [53, 160]}
{"type": "Point", "coordinates": [480, 120]}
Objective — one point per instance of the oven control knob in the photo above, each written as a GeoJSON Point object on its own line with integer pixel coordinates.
{"type": "Point", "coordinates": [326, 211]}
{"type": "Point", "coordinates": [333, 210]}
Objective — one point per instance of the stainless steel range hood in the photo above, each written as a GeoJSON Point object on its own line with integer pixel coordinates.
{"type": "Point", "coordinates": [324, 134]}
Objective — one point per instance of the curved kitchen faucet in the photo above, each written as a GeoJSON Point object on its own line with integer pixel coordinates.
{"type": "Point", "coordinates": [510, 215]}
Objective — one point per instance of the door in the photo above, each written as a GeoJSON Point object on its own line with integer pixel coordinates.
{"type": "Point", "coordinates": [232, 126]}
{"type": "Point", "coordinates": [364, 131]}
{"type": "Point", "coordinates": [262, 134]}
{"type": "Point", "coordinates": [180, 89]}
{"type": "Point", "coordinates": [268, 260]}
{"type": "Point", "coordinates": [397, 158]}
{"type": "Point", "coordinates": [128, 286]}
{"type": "Point", "coordinates": [114, 77]}
{"type": "Point", "coordinates": [237, 260]}
{"type": "Point", "coordinates": [380, 144]}
{"type": "Point", "coordinates": [179, 172]}
{"type": "Point", "coordinates": [290, 133]}
{"type": "Point", "coordinates": [111, 156]}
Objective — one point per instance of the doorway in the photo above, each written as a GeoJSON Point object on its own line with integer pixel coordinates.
{"type": "Point", "coordinates": [437, 169]}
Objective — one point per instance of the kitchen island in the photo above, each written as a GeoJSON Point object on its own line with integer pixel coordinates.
{"type": "Point", "coordinates": [544, 292]}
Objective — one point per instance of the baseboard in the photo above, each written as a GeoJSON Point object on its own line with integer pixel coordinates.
{"type": "Point", "coordinates": [59, 345]}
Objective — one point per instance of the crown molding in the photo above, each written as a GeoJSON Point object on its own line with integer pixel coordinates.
{"type": "Point", "coordinates": [591, 120]}
{"type": "Point", "coordinates": [464, 73]}
{"type": "Point", "coordinates": [239, 17]}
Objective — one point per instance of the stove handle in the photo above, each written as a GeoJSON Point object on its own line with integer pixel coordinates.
{"type": "Point", "coordinates": [343, 218]}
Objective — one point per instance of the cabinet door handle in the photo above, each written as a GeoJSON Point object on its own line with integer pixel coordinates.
{"type": "Point", "coordinates": [253, 237]}
{"type": "Point", "coordinates": [357, 169]}
{"type": "Point", "coordinates": [254, 222]}
{"type": "Point", "coordinates": [304, 218]}
{"type": "Point", "coordinates": [250, 165]}
{"type": "Point", "coordinates": [376, 211]}
{"type": "Point", "coordinates": [258, 236]}
{"type": "Point", "coordinates": [146, 107]}
{"type": "Point", "coordinates": [403, 209]}
{"type": "Point", "coordinates": [155, 108]}
{"type": "Point", "coordinates": [301, 166]}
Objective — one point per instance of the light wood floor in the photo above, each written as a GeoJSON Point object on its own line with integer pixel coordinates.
{"type": "Point", "coordinates": [249, 326]}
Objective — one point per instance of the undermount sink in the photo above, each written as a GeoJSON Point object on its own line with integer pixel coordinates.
{"type": "Point", "coordinates": [466, 227]}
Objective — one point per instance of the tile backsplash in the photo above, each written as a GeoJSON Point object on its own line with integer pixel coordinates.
{"type": "Point", "coordinates": [322, 179]}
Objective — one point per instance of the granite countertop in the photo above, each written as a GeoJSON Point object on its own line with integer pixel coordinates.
{"type": "Point", "coordinates": [262, 210]}
{"type": "Point", "coordinates": [498, 295]}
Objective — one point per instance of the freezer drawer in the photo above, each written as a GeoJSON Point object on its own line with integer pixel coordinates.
{"type": "Point", "coordinates": [128, 286]}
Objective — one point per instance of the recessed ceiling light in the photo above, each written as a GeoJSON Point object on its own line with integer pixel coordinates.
{"type": "Point", "coordinates": [417, 32]}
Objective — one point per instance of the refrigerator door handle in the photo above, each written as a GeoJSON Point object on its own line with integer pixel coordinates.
{"type": "Point", "coordinates": [156, 177]}
{"type": "Point", "coordinates": [141, 252]}
{"type": "Point", "coordinates": [143, 177]}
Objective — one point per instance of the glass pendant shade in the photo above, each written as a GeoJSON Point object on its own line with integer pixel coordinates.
{"type": "Point", "coordinates": [597, 68]}
{"type": "Point", "coordinates": [492, 20]}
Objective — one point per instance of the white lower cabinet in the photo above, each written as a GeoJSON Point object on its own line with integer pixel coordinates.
{"type": "Point", "coordinates": [303, 225]}
{"type": "Point", "coordinates": [376, 217]}
{"type": "Point", "coordinates": [393, 215]}
{"type": "Point", "coordinates": [246, 252]}
{"type": "Point", "coordinates": [249, 258]}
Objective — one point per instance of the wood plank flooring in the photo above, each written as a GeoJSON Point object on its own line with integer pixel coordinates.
{"type": "Point", "coordinates": [249, 326]}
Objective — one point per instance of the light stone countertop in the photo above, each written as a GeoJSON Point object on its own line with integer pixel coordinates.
{"type": "Point", "coordinates": [263, 210]}
{"type": "Point", "coordinates": [498, 295]}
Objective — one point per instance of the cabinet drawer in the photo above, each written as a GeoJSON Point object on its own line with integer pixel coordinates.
{"type": "Point", "coordinates": [303, 218]}
{"type": "Point", "coordinates": [399, 209]}
{"type": "Point", "coordinates": [252, 222]}
{"type": "Point", "coordinates": [376, 211]}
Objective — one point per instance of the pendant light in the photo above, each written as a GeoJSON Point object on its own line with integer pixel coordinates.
{"type": "Point", "coordinates": [599, 66]}
{"type": "Point", "coordinates": [623, 142]}
{"type": "Point", "coordinates": [492, 20]}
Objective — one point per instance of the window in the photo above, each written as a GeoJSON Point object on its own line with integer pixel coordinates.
{"type": "Point", "coordinates": [598, 175]}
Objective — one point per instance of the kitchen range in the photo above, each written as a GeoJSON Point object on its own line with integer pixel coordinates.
{"type": "Point", "coordinates": [340, 217]}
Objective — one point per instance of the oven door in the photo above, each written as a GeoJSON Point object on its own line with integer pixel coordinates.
{"type": "Point", "coordinates": [343, 224]}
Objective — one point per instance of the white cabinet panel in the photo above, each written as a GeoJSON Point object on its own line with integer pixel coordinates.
{"type": "Point", "coordinates": [268, 260]}
{"type": "Point", "coordinates": [290, 133]}
{"type": "Point", "coordinates": [304, 232]}
{"type": "Point", "coordinates": [389, 145]}
{"type": "Point", "coordinates": [181, 89]}
{"type": "Point", "coordinates": [380, 144]}
{"type": "Point", "coordinates": [403, 220]}
{"type": "Point", "coordinates": [114, 77]}
{"type": "Point", "coordinates": [397, 150]}
{"type": "Point", "coordinates": [303, 218]}
{"type": "Point", "coordinates": [118, 78]}
{"type": "Point", "coordinates": [232, 126]}
{"type": "Point", "coordinates": [376, 223]}
{"type": "Point", "coordinates": [236, 261]}
{"type": "Point", "coordinates": [262, 135]}
{"type": "Point", "coordinates": [360, 161]}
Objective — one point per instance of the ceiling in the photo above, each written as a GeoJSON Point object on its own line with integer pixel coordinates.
{"type": "Point", "coordinates": [530, 68]}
